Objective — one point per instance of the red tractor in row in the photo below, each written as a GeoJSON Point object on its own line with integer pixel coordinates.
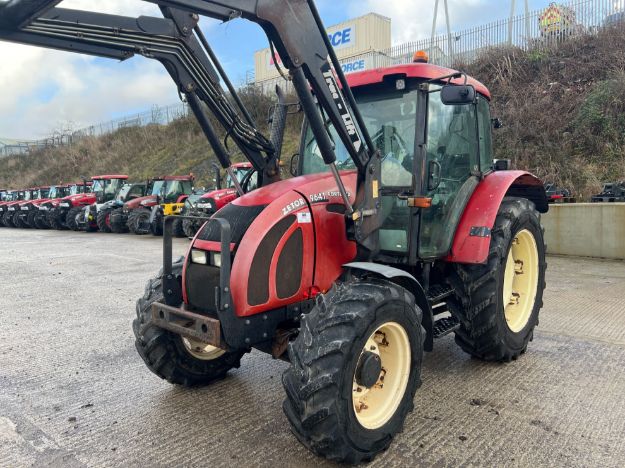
{"type": "Point", "coordinates": [200, 208]}
{"type": "Point", "coordinates": [57, 210]}
{"type": "Point", "coordinates": [397, 231]}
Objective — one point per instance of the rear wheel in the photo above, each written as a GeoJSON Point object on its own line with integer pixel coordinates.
{"type": "Point", "coordinates": [138, 221]}
{"type": "Point", "coordinates": [178, 360]}
{"type": "Point", "coordinates": [355, 368]}
{"type": "Point", "coordinates": [40, 220]}
{"type": "Point", "coordinates": [118, 228]}
{"type": "Point", "coordinates": [17, 220]}
{"type": "Point", "coordinates": [498, 303]}
{"type": "Point", "coordinates": [70, 218]}
{"type": "Point", "coordinates": [177, 228]}
{"type": "Point", "coordinates": [7, 219]}
{"type": "Point", "coordinates": [56, 219]}
{"type": "Point", "coordinates": [103, 219]}
{"type": "Point", "coordinates": [30, 218]}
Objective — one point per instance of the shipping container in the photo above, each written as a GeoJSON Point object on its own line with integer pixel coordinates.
{"type": "Point", "coordinates": [351, 39]}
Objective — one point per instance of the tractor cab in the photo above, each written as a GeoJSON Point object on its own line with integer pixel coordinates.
{"type": "Point", "coordinates": [107, 186]}
{"type": "Point", "coordinates": [434, 152]}
{"type": "Point", "coordinates": [80, 188]}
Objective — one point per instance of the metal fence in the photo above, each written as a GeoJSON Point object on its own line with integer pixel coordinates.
{"type": "Point", "coordinates": [156, 116]}
{"type": "Point", "coordinates": [540, 28]}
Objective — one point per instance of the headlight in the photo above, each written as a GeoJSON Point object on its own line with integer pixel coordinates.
{"type": "Point", "coordinates": [64, 205]}
{"type": "Point", "coordinates": [199, 256]}
{"type": "Point", "coordinates": [216, 259]}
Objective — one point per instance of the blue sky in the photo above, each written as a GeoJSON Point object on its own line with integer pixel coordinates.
{"type": "Point", "coordinates": [47, 91]}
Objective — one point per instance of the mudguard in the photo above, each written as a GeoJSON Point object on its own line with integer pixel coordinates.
{"type": "Point", "coordinates": [409, 282]}
{"type": "Point", "coordinates": [472, 240]}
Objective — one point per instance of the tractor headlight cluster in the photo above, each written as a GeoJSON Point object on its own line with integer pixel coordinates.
{"type": "Point", "coordinates": [202, 257]}
{"type": "Point", "coordinates": [199, 257]}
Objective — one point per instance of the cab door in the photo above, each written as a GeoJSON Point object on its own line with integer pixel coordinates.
{"type": "Point", "coordinates": [452, 172]}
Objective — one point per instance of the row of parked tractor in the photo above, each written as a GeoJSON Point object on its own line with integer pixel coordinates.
{"type": "Point", "coordinates": [111, 203]}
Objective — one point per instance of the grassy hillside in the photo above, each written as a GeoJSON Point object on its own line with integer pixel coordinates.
{"type": "Point", "coordinates": [563, 110]}
{"type": "Point", "coordinates": [141, 152]}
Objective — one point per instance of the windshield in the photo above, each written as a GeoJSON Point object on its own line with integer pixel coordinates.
{"type": "Point", "coordinates": [98, 186]}
{"type": "Point", "coordinates": [121, 195]}
{"type": "Point", "coordinates": [175, 188]}
{"type": "Point", "coordinates": [156, 188]}
{"type": "Point", "coordinates": [240, 174]}
{"type": "Point", "coordinates": [28, 195]}
{"type": "Point", "coordinates": [390, 118]}
{"type": "Point", "coordinates": [54, 192]}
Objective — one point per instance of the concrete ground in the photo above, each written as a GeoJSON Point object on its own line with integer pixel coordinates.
{"type": "Point", "coordinates": [73, 391]}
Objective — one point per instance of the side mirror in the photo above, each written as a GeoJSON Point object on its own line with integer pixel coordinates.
{"type": "Point", "coordinates": [434, 175]}
{"type": "Point", "coordinates": [502, 164]}
{"type": "Point", "coordinates": [457, 94]}
{"type": "Point", "coordinates": [294, 164]}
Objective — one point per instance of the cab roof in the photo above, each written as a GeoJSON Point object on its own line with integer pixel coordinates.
{"type": "Point", "coordinates": [106, 177]}
{"type": "Point", "coordinates": [425, 71]}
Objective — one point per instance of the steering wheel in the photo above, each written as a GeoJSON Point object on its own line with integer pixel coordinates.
{"type": "Point", "coordinates": [245, 182]}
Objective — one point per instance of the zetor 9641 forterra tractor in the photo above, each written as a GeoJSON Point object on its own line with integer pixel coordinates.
{"type": "Point", "coordinates": [396, 232]}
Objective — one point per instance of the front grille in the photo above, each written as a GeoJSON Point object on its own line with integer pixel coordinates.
{"type": "Point", "coordinates": [200, 284]}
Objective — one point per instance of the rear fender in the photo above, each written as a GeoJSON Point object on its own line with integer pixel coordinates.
{"type": "Point", "coordinates": [472, 240]}
{"type": "Point", "coordinates": [408, 282]}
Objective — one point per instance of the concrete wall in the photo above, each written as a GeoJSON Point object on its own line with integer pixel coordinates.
{"type": "Point", "coordinates": [586, 230]}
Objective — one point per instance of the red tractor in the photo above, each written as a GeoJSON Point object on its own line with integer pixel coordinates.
{"type": "Point", "coordinates": [79, 195]}
{"type": "Point", "coordinates": [82, 216]}
{"type": "Point", "coordinates": [9, 197]}
{"type": "Point", "coordinates": [199, 209]}
{"type": "Point", "coordinates": [168, 195]}
{"type": "Point", "coordinates": [14, 209]}
{"type": "Point", "coordinates": [28, 210]}
{"type": "Point", "coordinates": [398, 230]}
{"type": "Point", "coordinates": [40, 218]}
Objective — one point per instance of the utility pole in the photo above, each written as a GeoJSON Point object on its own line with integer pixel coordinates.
{"type": "Point", "coordinates": [449, 38]}
{"type": "Point", "coordinates": [528, 30]}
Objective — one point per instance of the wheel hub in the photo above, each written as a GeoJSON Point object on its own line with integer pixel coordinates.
{"type": "Point", "coordinates": [369, 369]}
{"type": "Point", "coordinates": [520, 280]}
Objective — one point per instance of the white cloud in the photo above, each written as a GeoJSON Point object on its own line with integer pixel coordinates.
{"type": "Point", "coordinates": [42, 89]}
{"type": "Point", "coordinates": [412, 19]}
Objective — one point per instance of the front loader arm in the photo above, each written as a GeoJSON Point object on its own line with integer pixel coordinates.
{"type": "Point", "coordinates": [169, 40]}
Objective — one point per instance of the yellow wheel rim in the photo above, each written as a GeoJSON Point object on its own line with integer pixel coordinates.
{"type": "Point", "coordinates": [520, 281]}
{"type": "Point", "coordinates": [202, 351]}
{"type": "Point", "coordinates": [375, 406]}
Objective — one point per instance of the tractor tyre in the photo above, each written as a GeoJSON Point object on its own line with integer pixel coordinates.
{"type": "Point", "coordinates": [56, 219]}
{"type": "Point", "coordinates": [118, 228]}
{"type": "Point", "coordinates": [136, 219]}
{"type": "Point", "coordinates": [191, 227]}
{"type": "Point", "coordinates": [355, 368]}
{"type": "Point", "coordinates": [498, 303]}
{"type": "Point", "coordinates": [70, 219]}
{"type": "Point", "coordinates": [40, 220]}
{"type": "Point", "coordinates": [7, 219]}
{"type": "Point", "coordinates": [30, 218]}
{"type": "Point", "coordinates": [177, 229]}
{"type": "Point", "coordinates": [2, 220]}
{"type": "Point", "coordinates": [156, 227]}
{"type": "Point", "coordinates": [103, 219]}
{"type": "Point", "coordinates": [178, 360]}
{"type": "Point", "coordinates": [17, 220]}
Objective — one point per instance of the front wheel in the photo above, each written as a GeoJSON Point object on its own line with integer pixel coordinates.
{"type": "Point", "coordinates": [103, 220]}
{"type": "Point", "coordinates": [176, 359]}
{"type": "Point", "coordinates": [355, 368]}
{"type": "Point", "coordinates": [498, 303]}
{"type": "Point", "coordinates": [70, 219]}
